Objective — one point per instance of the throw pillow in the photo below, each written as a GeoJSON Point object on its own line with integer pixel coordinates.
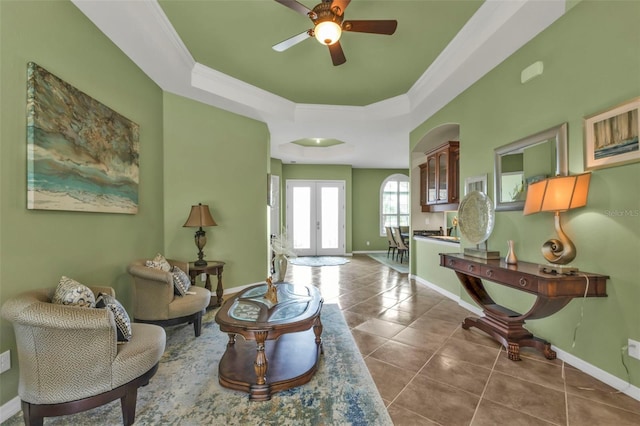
{"type": "Point", "coordinates": [71, 292]}
{"type": "Point", "coordinates": [159, 262]}
{"type": "Point", "coordinates": [181, 281]}
{"type": "Point", "coordinates": [123, 323]}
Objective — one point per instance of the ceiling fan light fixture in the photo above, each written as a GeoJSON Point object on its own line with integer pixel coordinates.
{"type": "Point", "coordinates": [327, 32]}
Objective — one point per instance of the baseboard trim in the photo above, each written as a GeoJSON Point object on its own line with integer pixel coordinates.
{"type": "Point", "coordinates": [574, 361]}
{"type": "Point", "coordinates": [611, 380]}
{"type": "Point", "coordinates": [9, 409]}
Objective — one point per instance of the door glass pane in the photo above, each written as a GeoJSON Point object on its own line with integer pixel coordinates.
{"type": "Point", "coordinates": [442, 178]}
{"type": "Point", "coordinates": [431, 179]}
{"type": "Point", "coordinates": [301, 218]}
{"type": "Point", "coordinates": [330, 203]}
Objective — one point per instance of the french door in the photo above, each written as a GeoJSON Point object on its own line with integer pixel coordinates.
{"type": "Point", "coordinates": [316, 216]}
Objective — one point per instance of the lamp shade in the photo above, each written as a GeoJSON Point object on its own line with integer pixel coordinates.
{"type": "Point", "coordinates": [199, 216]}
{"type": "Point", "coordinates": [557, 194]}
{"type": "Point", "coordinates": [327, 32]}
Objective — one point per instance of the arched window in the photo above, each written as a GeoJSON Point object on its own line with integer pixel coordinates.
{"type": "Point", "coordinates": [394, 202]}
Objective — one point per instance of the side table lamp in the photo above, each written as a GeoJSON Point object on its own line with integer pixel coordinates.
{"type": "Point", "coordinates": [198, 217]}
{"type": "Point", "coordinates": [558, 194]}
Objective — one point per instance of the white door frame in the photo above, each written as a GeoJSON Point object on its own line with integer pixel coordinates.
{"type": "Point", "coordinates": [315, 225]}
{"type": "Point", "coordinates": [274, 200]}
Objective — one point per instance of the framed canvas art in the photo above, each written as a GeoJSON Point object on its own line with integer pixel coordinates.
{"type": "Point", "coordinates": [611, 137]}
{"type": "Point", "coordinates": [81, 155]}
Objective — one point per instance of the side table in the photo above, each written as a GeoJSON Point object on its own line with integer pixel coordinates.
{"type": "Point", "coordinates": [213, 267]}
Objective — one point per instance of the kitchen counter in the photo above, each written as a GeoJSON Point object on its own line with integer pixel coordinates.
{"type": "Point", "coordinates": [438, 238]}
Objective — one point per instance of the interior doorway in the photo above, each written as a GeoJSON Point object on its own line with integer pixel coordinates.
{"type": "Point", "coordinates": [315, 217]}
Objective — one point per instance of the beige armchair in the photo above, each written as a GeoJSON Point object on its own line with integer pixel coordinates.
{"type": "Point", "coordinates": [70, 361]}
{"type": "Point", "coordinates": [154, 300]}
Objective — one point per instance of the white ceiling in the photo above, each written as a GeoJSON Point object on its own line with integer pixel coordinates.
{"type": "Point", "coordinates": [375, 135]}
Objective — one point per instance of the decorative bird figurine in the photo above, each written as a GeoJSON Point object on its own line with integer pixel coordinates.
{"type": "Point", "coordinates": [272, 292]}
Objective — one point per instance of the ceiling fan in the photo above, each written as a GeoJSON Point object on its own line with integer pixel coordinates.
{"type": "Point", "coordinates": [328, 24]}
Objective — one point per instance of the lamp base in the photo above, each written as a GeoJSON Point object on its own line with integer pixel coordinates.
{"type": "Point", "coordinates": [200, 262]}
{"type": "Point", "coordinates": [558, 269]}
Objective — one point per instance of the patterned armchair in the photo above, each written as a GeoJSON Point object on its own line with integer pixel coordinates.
{"type": "Point", "coordinates": [70, 360]}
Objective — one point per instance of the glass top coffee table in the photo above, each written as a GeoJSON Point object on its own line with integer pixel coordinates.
{"type": "Point", "coordinates": [287, 338]}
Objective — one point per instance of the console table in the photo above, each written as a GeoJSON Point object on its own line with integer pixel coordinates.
{"type": "Point", "coordinates": [213, 267]}
{"type": "Point", "coordinates": [553, 292]}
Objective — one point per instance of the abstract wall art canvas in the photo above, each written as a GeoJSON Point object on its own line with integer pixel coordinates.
{"type": "Point", "coordinates": [82, 155]}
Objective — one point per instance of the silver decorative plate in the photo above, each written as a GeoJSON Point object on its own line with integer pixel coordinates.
{"type": "Point", "coordinates": [476, 217]}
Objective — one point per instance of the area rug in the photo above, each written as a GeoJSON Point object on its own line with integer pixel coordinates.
{"type": "Point", "coordinates": [403, 268]}
{"type": "Point", "coordinates": [318, 261]}
{"type": "Point", "coordinates": [185, 391]}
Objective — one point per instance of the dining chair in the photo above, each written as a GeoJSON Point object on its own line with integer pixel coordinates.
{"type": "Point", "coordinates": [401, 246]}
{"type": "Point", "coordinates": [392, 243]}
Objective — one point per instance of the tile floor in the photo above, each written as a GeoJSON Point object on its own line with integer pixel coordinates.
{"type": "Point", "coordinates": [430, 371]}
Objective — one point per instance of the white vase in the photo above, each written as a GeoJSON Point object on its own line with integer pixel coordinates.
{"type": "Point", "coordinates": [280, 268]}
{"type": "Point", "coordinates": [510, 258]}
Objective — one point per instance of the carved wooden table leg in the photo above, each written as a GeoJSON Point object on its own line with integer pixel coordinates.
{"type": "Point", "coordinates": [232, 339]}
{"type": "Point", "coordinates": [317, 330]}
{"type": "Point", "coordinates": [513, 351]}
{"type": "Point", "coordinates": [260, 390]}
{"type": "Point", "coordinates": [219, 288]}
{"type": "Point", "coordinates": [505, 325]}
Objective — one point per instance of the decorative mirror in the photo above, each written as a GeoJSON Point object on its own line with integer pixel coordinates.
{"type": "Point", "coordinates": [526, 161]}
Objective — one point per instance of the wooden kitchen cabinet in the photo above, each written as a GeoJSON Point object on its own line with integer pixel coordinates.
{"type": "Point", "coordinates": [439, 178]}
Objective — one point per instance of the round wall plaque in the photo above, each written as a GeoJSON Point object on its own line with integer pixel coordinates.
{"type": "Point", "coordinates": [476, 217]}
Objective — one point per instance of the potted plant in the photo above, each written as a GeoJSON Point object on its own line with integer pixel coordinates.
{"type": "Point", "coordinates": [282, 250]}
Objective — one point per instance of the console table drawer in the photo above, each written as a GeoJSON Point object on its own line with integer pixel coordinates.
{"type": "Point", "coordinates": [463, 266]}
{"type": "Point", "coordinates": [510, 278]}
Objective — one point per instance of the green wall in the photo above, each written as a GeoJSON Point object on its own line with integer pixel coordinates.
{"type": "Point", "coordinates": [366, 207]}
{"type": "Point", "coordinates": [591, 62]}
{"type": "Point", "coordinates": [206, 162]}
{"type": "Point", "coordinates": [189, 153]}
{"type": "Point", "coordinates": [39, 246]}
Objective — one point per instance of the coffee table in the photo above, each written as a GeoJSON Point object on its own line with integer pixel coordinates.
{"type": "Point", "coordinates": [287, 338]}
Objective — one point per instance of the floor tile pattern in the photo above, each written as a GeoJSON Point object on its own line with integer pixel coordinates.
{"type": "Point", "coordinates": [430, 371]}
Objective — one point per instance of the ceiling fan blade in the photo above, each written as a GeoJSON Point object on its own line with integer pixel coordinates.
{"type": "Point", "coordinates": [291, 41]}
{"type": "Point", "coordinates": [298, 7]}
{"type": "Point", "coordinates": [337, 55]}
{"type": "Point", "coordinates": [341, 5]}
{"type": "Point", "coordinates": [387, 27]}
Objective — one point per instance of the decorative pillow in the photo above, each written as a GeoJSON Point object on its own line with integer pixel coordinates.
{"type": "Point", "coordinates": [181, 281]}
{"type": "Point", "coordinates": [71, 292]}
{"type": "Point", "coordinates": [159, 262]}
{"type": "Point", "coordinates": [123, 323]}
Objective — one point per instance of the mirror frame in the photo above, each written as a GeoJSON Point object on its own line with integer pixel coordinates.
{"type": "Point", "coordinates": [559, 133]}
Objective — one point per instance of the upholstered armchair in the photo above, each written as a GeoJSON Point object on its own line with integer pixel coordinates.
{"type": "Point", "coordinates": [70, 360]}
{"type": "Point", "coordinates": [154, 300]}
